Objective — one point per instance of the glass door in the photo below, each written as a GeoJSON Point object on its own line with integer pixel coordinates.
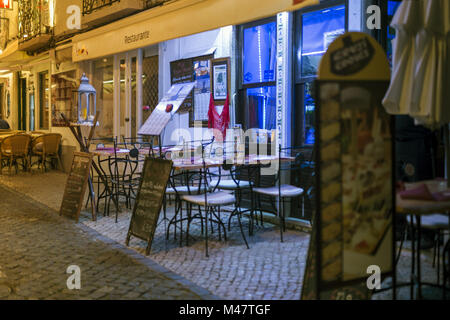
{"type": "Point", "coordinates": [126, 66]}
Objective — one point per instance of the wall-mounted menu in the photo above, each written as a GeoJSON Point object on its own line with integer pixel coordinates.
{"type": "Point", "coordinates": [76, 185]}
{"type": "Point", "coordinates": [144, 219]}
{"type": "Point", "coordinates": [182, 71]}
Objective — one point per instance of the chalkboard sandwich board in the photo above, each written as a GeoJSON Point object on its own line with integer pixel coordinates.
{"type": "Point", "coordinates": [147, 207]}
{"type": "Point", "coordinates": [76, 185]}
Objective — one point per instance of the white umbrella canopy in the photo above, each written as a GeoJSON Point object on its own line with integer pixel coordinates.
{"type": "Point", "coordinates": [421, 62]}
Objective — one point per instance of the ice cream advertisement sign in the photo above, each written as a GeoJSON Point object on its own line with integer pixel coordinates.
{"type": "Point", "coordinates": [354, 172]}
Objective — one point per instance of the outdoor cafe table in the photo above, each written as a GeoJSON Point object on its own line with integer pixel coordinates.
{"type": "Point", "coordinates": [417, 209]}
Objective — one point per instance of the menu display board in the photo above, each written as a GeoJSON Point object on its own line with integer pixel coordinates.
{"type": "Point", "coordinates": [76, 185]}
{"type": "Point", "coordinates": [354, 223]}
{"type": "Point", "coordinates": [155, 176]}
{"type": "Point", "coordinates": [166, 108]}
{"type": "Point", "coordinates": [181, 71]}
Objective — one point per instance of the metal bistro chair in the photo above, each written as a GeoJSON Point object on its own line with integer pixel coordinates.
{"type": "Point", "coordinates": [446, 260]}
{"type": "Point", "coordinates": [238, 180]}
{"type": "Point", "coordinates": [136, 143]}
{"type": "Point", "coordinates": [101, 144]}
{"type": "Point", "coordinates": [13, 148]}
{"type": "Point", "coordinates": [438, 223]}
{"type": "Point", "coordinates": [46, 147]}
{"type": "Point", "coordinates": [211, 202]}
{"type": "Point", "coordinates": [124, 176]}
{"type": "Point", "coordinates": [181, 182]}
{"type": "Point", "coordinates": [283, 192]}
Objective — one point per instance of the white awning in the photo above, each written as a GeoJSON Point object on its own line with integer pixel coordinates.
{"type": "Point", "coordinates": [173, 20]}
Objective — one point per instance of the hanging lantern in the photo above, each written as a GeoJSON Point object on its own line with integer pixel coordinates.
{"type": "Point", "coordinates": [87, 101]}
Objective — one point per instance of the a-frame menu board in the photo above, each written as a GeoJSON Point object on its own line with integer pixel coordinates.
{"type": "Point", "coordinates": [147, 207]}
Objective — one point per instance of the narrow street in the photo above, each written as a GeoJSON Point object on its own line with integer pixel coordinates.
{"type": "Point", "coordinates": [37, 247]}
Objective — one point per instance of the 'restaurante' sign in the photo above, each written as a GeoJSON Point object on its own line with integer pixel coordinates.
{"type": "Point", "coordinates": [137, 37]}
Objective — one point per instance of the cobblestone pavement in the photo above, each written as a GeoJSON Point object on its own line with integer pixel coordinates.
{"type": "Point", "coordinates": [37, 246]}
{"type": "Point", "coordinates": [269, 270]}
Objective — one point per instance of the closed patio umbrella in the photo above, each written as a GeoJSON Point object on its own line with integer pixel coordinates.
{"type": "Point", "coordinates": [420, 82]}
{"type": "Point", "coordinates": [421, 68]}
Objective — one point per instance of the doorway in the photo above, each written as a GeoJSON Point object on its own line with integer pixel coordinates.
{"type": "Point", "coordinates": [126, 106]}
{"type": "Point", "coordinates": [22, 112]}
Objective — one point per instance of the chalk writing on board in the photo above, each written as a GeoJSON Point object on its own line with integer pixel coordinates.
{"type": "Point", "coordinates": [76, 185]}
{"type": "Point", "coordinates": [144, 219]}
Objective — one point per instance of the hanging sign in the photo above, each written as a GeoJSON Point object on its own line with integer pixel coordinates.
{"type": "Point", "coordinates": [354, 225]}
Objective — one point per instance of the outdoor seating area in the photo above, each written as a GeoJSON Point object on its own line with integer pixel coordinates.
{"type": "Point", "coordinates": [210, 187]}
{"type": "Point", "coordinates": [18, 149]}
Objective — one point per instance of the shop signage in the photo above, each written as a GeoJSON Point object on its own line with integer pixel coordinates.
{"type": "Point", "coordinates": [137, 37]}
{"type": "Point", "coordinates": [353, 57]}
{"type": "Point", "coordinates": [281, 73]}
{"type": "Point", "coordinates": [149, 199]}
{"type": "Point", "coordinates": [76, 185]}
{"type": "Point", "coordinates": [174, 20]}
{"type": "Point", "coordinates": [354, 223]}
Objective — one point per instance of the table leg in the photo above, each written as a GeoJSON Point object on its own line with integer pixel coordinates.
{"type": "Point", "coordinates": [419, 236]}
{"type": "Point", "coordinates": [92, 193]}
{"type": "Point", "coordinates": [413, 243]}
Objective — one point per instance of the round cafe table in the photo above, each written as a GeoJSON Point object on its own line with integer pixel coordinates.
{"type": "Point", "coordinates": [417, 209]}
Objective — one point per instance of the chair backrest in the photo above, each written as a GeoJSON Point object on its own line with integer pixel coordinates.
{"type": "Point", "coordinates": [446, 261]}
{"type": "Point", "coordinates": [17, 144]}
{"type": "Point", "coordinates": [51, 142]}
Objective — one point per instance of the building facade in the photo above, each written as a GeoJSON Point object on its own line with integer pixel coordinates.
{"type": "Point", "coordinates": [132, 51]}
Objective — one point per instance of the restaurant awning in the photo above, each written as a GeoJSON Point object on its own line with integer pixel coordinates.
{"type": "Point", "coordinates": [173, 20]}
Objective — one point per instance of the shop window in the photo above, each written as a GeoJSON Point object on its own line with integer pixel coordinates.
{"type": "Point", "coordinates": [103, 82]}
{"type": "Point", "coordinates": [392, 7]}
{"type": "Point", "coordinates": [43, 100]}
{"type": "Point", "coordinates": [318, 29]}
{"type": "Point", "coordinates": [257, 75]}
{"type": "Point", "coordinates": [315, 29]}
{"type": "Point", "coordinates": [309, 106]}
{"type": "Point", "coordinates": [64, 98]}
{"type": "Point", "coordinates": [259, 57]}
{"type": "Point", "coordinates": [262, 107]}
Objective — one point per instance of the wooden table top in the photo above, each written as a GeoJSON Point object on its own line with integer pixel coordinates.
{"type": "Point", "coordinates": [424, 207]}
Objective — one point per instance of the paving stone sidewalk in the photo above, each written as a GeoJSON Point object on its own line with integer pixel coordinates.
{"type": "Point", "coordinates": [269, 270]}
{"type": "Point", "coordinates": [37, 246]}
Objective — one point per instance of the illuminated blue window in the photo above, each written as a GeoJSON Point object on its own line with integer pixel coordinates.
{"type": "Point", "coordinates": [262, 107]}
{"type": "Point", "coordinates": [259, 59]}
{"type": "Point", "coordinates": [309, 105]}
{"type": "Point", "coordinates": [392, 8]}
{"type": "Point", "coordinates": [319, 29]}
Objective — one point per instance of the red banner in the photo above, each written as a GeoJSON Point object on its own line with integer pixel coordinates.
{"type": "Point", "coordinates": [5, 4]}
{"type": "Point", "coordinates": [297, 1]}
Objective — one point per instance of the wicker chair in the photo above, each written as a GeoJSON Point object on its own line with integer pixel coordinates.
{"type": "Point", "coordinates": [15, 147]}
{"type": "Point", "coordinates": [46, 147]}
